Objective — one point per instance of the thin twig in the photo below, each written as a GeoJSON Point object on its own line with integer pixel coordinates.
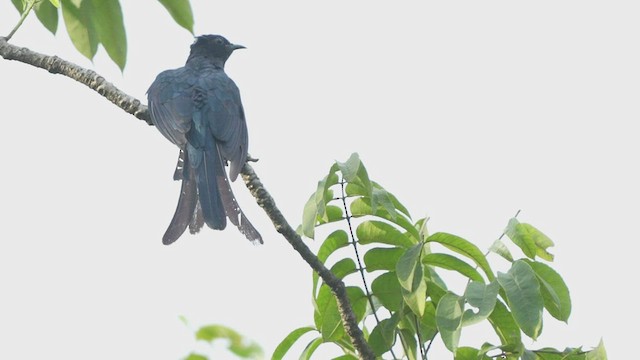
{"type": "Point", "coordinates": [24, 15]}
{"type": "Point", "coordinates": [423, 354]}
{"type": "Point", "coordinates": [429, 346]}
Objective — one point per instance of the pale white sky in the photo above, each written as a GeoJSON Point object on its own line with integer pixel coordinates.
{"type": "Point", "coordinates": [467, 111]}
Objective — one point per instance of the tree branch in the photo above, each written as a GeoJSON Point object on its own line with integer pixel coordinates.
{"type": "Point", "coordinates": [264, 199]}
{"type": "Point", "coordinates": [90, 78]}
{"type": "Point", "coordinates": [128, 103]}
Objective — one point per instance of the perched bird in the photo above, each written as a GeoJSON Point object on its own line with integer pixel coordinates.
{"type": "Point", "coordinates": [198, 108]}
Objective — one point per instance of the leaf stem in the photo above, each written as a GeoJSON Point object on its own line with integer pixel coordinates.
{"type": "Point", "coordinates": [25, 13]}
{"type": "Point", "coordinates": [429, 346]}
{"type": "Point", "coordinates": [423, 353]}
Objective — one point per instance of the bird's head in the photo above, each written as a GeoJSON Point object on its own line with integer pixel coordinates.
{"type": "Point", "coordinates": [214, 47]}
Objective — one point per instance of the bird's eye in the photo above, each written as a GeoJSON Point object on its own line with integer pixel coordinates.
{"type": "Point", "coordinates": [219, 41]}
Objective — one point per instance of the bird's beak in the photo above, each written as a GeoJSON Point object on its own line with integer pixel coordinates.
{"type": "Point", "coordinates": [235, 47]}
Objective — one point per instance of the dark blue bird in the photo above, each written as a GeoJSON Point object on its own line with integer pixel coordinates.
{"type": "Point", "coordinates": [198, 108]}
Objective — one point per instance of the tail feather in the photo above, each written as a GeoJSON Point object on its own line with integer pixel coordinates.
{"type": "Point", "coordinates": [232, 209]}
{"type": "Point", "coordinates": [185, 209]}
{"type": "Point", "coordinates": [197, 221]}
{"type": "Point", "coordinates": [208, 193]}
{"type": "Point", "coordinates": [206, 196]}
{"type": "Point", "coordinates": [179, 173]}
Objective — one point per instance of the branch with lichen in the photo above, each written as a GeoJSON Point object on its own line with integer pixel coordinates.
{"type": "Point", "coordinates": [90, 78]}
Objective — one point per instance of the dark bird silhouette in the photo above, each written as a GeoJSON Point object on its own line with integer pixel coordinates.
{"type": "Point", "coordinates": [198, 108]}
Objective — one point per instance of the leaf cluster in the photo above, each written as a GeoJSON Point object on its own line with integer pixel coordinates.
{"type": "Point", "coordinates": [236, 343]}
{"type": "Point", "coordinates": [91, 23]}
{"type": "Point", "coordinates": [408, 305]}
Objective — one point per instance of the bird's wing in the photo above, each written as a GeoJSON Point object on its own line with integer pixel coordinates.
{"type": "Point", "coordinates": [171, 105]}
{"type": "Point", "coordinates": [225, 115]}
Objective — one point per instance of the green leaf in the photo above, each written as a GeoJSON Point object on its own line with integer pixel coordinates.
{"type": "Point", "coordinates": [598, 353]}
{"type": "Point", "coordinates": [309, 218]}
{"type": "Point", "coordinates": [246, 350]}
{"type": "Point", "coordinates": [555, 293]}
{"type": "Point", "coordinates": [463, 247]}
{"type": "Point", "coordinates": [327, 316]}
{"type": "Point", "coordinates": [345, 357]}
{"type": "Point", "coordinates": [180, 11]}
{"type": "Point", "coordinates": [336, 240]}
{"type": "Point", "coordinates": [333, 213]}
{"type": "Point", "coordinates": [481, 296]}
{"type": "Point", "coordinates": [428, 326]}
{"type": "Point", "coordinates": [382, 258]}
{"type": "Point", "coordinates": [387, 289]}
{"type": "Point", "coordinates": [310, 349]}
{"type": "Point", "coordinates": [416, 298]}
{"type": "Point", "coordinates": [19, 5]}
{"type": "Point", "coordinates": [486, 347]}
{"type": "Point", "coordinates": [528, 355]}
{"type": "Point", "coordinates": [195, 356]}
{"type": "Point", "coordinates": [381, 197]}
{"type": "Point", "coordinates": [284, 346]}
{"type": "Point", "coordinates": [449, 319]}
{"type": "Point", "coordinates": [541, 240]}
{"type": "Point", "coordinates": [523, 294]}
{"type": "Point", "coordinates": [436, 288]}
{"type": "Point", "coordinates": [184, 320]}
{"type": "Point", "coordinates": [532, 241]}
{"type": "Point", "coordinates": [77, 15]}
{"type": "Point", "coordinates": [524, 242]}
{"type": "Point", "coordinates": [55, 3]}
{"type": "Point", "coordinates": [110, 29]}
{"type": "Point", "coordinates": [383, 335]}
{"type": "Point", "coordinates": [449, 262]}
{"type": "Point", "coordinates": [349, 168]}
{"type": "Point", "coordinates": [548, 353]}
{"type": "Point", "coordinates": [409, 268]}
{"type": "Point", "coordinates": [505, 325]}
{"type": "Point", "coordinates": [47, 13]}
{"type": "Point", "coordinates": [344, 267]}
{"type": "Point", "coordinates": [469, 353]}
{"type": "Point", "coordinates": [237, 344]}
{"type": "Point", "coordinates": [362, 207]}
{"type": "Point", "coordinates": [353, 171]}
{"type": "Point", "coordinates": [356, 190]}
{"type": "Point", "coordinates": [358, 300]}
{"type": "Point", "coordinates": [501, 249]}
{"type": "Point", "coordinates": [315, 208]}
{"type": "Point", "coordinates": [369, 232]}
{"type": "Point", "coordinates": [396, 204]}
{"type": "Point", "coordinates": [409, 344]}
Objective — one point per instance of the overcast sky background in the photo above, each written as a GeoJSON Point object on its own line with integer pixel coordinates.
{"type": "Point", "coordinates": [466, 110]}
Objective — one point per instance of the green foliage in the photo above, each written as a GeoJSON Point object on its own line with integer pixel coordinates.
{"type": "Point", "coordinates": [180, 11]}
{"type": "Point", "coordinates": [47, 13]}
{"type": "Point", "coordinates": [237, 344]}
{"type": "Point", "coordinates": [412, 304]}
{"type": "Point", "coordinates": [288, 341]}
{"type": "Point", "coordinates": [523, 296]}
{"type": "Point", "coordinates": [91, 23]}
